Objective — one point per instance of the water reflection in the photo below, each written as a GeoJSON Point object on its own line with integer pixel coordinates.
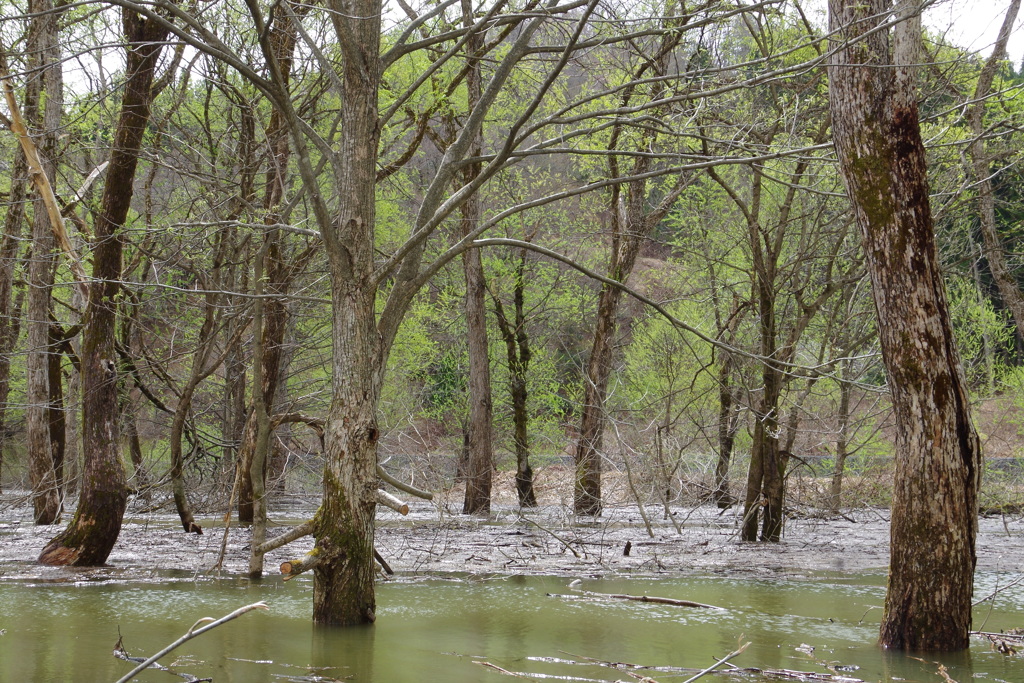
{"type": "Point", "coordinates": [443, 628]}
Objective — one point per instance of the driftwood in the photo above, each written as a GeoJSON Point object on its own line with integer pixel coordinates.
{"type": "Point", "coordinates": [588, 595]}
{"type": "Point", "coordinates": [633, 670]}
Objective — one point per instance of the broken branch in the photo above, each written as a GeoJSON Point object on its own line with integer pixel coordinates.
{"type": "Point", "coordinates": [402, 486]}
{"type": "Point", "coordinates": [304, 529]}
{"type": "Point", "coordinates": [387, 500]}
{"type": "Point", "coordinates": [192, 633]}
{"type": "Point", "coordinates": [292, 568]}
{"type": "Point", "coordinates": [43, 186]}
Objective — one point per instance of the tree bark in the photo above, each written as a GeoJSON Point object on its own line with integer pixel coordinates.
{"type": "Point", "coordinates": [343, 582]}
{"type": "Point", "coordinates": [938, 454]}
{"type": "Point", "coordinates": [89, 538]}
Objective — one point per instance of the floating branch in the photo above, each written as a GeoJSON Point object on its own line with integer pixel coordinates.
{"type": "Point", "coordinates": [582, 595]}
{"type": "Point", "coordinates": [719, 663]}
{"type": "Point", "coordinates": [192, 633]}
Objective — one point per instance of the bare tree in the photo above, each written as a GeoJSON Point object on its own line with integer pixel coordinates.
{"type": "Point", "coordinates": [91, 534]}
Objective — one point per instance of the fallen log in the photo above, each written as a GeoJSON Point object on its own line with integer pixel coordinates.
{"type": "Point", "coordinates": [584, 595]}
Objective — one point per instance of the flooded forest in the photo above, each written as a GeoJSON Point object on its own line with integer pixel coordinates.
{"type": "Point", "coordinates": [591, 340]}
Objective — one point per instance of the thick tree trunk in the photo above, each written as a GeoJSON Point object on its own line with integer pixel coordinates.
{"type": "Point", "coordinates": [765, 489]}
{"type": "Point", "coordinates": [89, 538]}
{"type": "Point", "coordinates": [938, 454]}
{"type": "Point", "coordinates": [56, 424]}
{"type": "Point", "coordinates": [480, 463]}
{"type": "Point", "coordinates": [587, 496]}
{"type": "Point", "coordinates": [343, 587]}
{"type": "Point", "coordinates": [343, 582]}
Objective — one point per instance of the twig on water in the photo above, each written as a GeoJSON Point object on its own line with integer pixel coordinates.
{"type": "Point", "coordinates": [498, 668]}
{"type": "Point", "coordinates": [192, 633]}
{"type": "Point", "coordinates": [719, 662]}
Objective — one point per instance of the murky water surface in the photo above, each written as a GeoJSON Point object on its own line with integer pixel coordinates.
{"type": "Point", "coordinates": [445, 629]}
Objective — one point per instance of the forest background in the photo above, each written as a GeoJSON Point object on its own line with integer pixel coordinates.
{"type": "Point", "coordinates": [528, 167]}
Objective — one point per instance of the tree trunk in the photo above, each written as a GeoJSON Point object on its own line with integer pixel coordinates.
{"type": "Point", "coordinates": [274, 310]}
{"type": "Point", "coordinates": [343, 582]}
{"type": "Point", "coordinates": [728, 423]}
{"type": "Point", "coordinates": [938, 454]}
{"type": "Point", "coordinates": [728, 398]}
{"type": "Point", "coordinates": [89, 538]}
{"type": "Point", "coordinates": [842, 435]}
{"type": "Point", "coordinates": [517, 351]}
{"type": "Point", "coordinates": [46, 496]}
{"type": "Point", "coordinates": [633, 219]}
{"type": "Point", "coordinates": [587, 496]}
{"type": "Point", "coordinates": [56, 424]}
{"type": "Point", "coordinates": [479, 433]}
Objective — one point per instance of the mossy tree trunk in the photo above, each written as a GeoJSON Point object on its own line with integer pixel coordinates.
{"type": "Point", "coordinates": [89, 538]}
{"type": "Point", "coordinates": [343, 582]}
{"type": "Point", "coordinates": [938, 454]}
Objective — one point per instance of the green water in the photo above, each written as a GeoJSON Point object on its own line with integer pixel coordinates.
{"type": "Point", "coordinates": [440, 629]}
